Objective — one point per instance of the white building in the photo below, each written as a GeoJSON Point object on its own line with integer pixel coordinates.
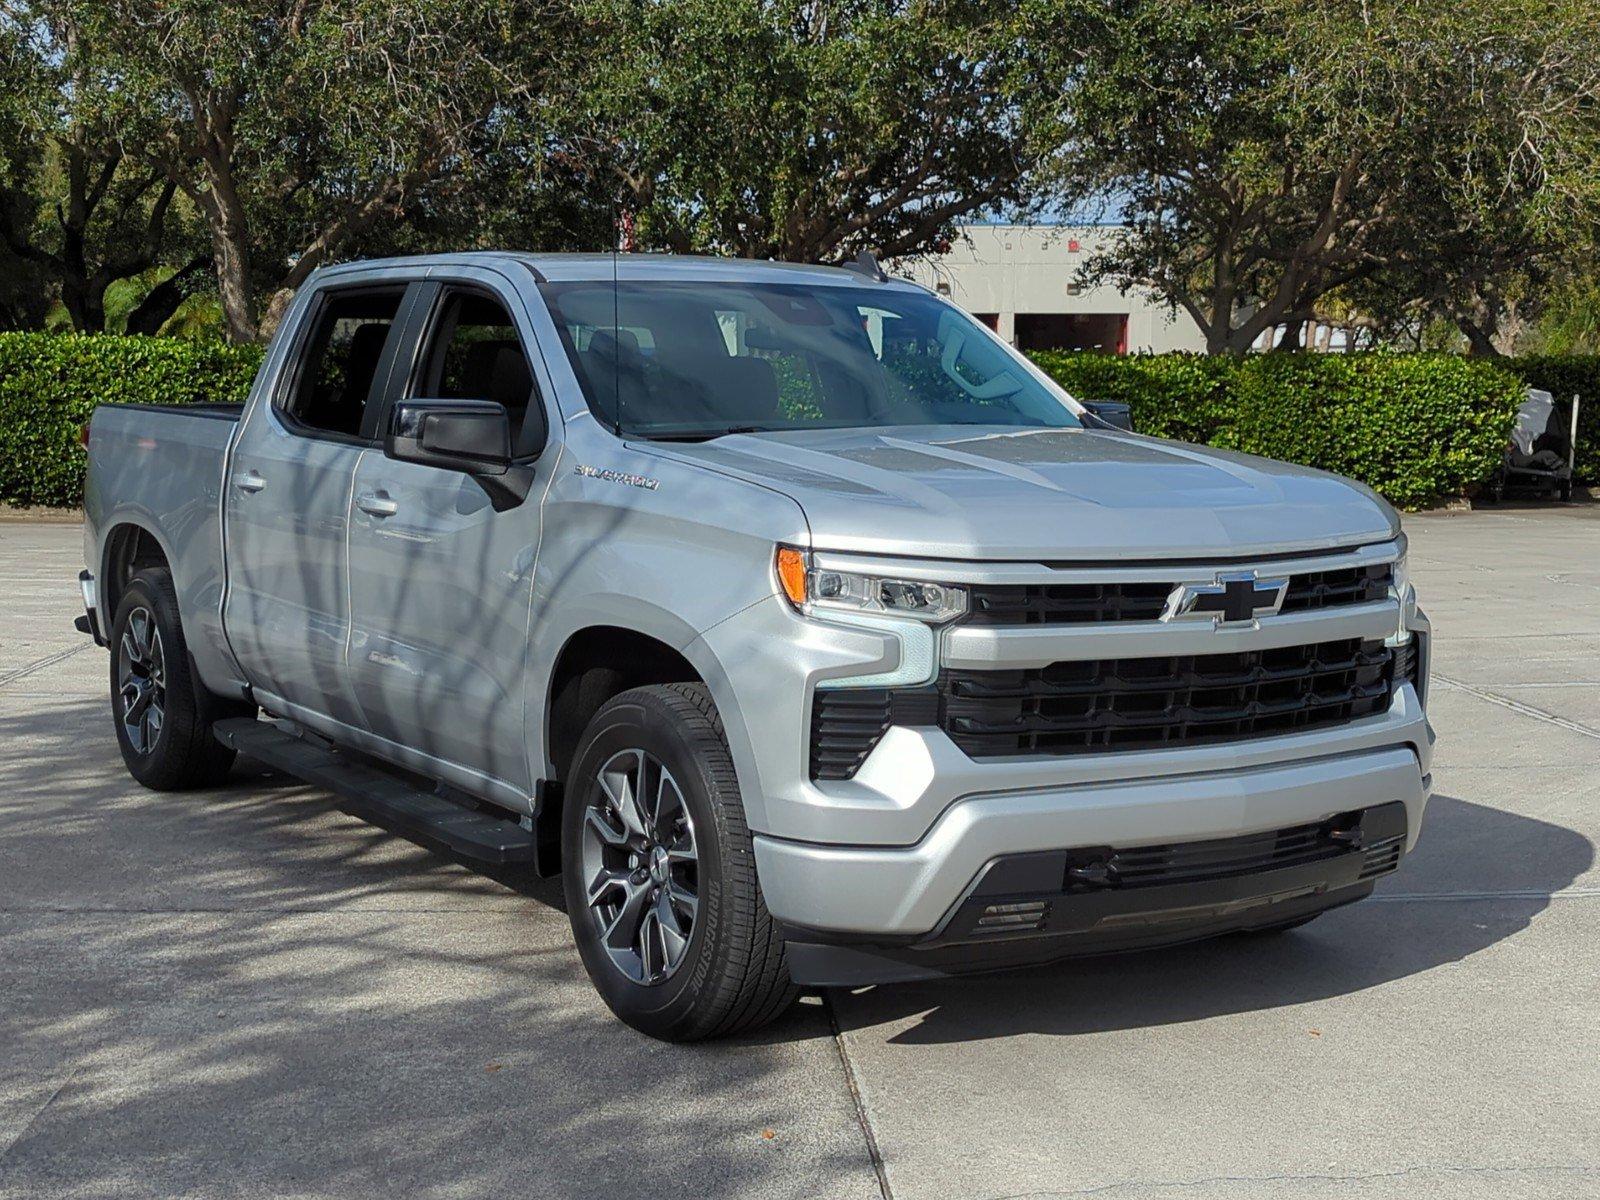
{"type": "Point", "coordinates": [1021, 281]}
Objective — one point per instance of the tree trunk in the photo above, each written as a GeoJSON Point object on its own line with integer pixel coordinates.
{"type": "Point", "coordinates": [277, 305]}
{"type": "Point", "coordinates": [233, 285]}
{"type": "Point", "coordinates": [1290, 340]}
{"type": "Point", "coordinates": [1480, 341]}
{"type": "Point", "coordinates": [230, 251]}
{"type": "Point", "coordinates": [86, 311]}
{"type": "Point", "coordinates": [163, 300]}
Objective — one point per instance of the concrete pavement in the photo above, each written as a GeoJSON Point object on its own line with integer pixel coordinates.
{"type": "Point", "coordinates": [249, 993]}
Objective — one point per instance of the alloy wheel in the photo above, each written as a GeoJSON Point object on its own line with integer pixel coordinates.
{"type": "Point", "coordinates": [641, 866]}
{"type": "Point", "coordinates": [142, 681]}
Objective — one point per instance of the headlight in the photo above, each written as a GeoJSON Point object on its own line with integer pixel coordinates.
{"type": "Point", "coordinates": [1403, 593]}
{"type": "Point", "coordinates": [1400, 574]}
{"type": "Point", "coordinates": [817, 591]}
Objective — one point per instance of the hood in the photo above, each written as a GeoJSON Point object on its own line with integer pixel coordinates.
{"type": "Point", "coordinates": [978, 492]}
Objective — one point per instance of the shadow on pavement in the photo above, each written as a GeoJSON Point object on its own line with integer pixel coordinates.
{"type": "Point", "coordinates": [243, 992]}
{"type": "Point", "coordinates": [1464, 848]}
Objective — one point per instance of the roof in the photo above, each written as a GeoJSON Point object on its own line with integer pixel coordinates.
{"type": "Point", "coordinates": [564, 268]}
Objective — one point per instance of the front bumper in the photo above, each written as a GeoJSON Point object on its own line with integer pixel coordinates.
{"type": "Point", "coordinates": [901, 892]}
{"type": "Point", "coordinates": [1035, 907]}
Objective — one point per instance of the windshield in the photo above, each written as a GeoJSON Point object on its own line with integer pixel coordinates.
{"type": "Point", "coordinates": [694, 360]}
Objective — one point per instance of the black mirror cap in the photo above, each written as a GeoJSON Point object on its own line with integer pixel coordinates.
{"type": "Point", "coordinates": [1113, 413]}
{"type": "Point", "coordinates": [473, 436]}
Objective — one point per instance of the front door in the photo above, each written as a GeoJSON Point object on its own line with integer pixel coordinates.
{"type": "Point", "coordinates": [440, 581]}
{"type": "Point", "coordinates": [288, 503]}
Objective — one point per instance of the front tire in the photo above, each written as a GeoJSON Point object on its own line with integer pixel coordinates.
{"type": "Point", "coordinates": [660, 875]}
{"type": "Point", "coordinates": [162, 712]}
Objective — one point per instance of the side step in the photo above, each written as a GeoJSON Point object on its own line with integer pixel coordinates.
{"type": "Point", "coordinates": [477, 835]}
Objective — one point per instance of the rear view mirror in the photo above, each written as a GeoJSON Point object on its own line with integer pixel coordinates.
{"type": "Point", "coordinates": [473, 436]}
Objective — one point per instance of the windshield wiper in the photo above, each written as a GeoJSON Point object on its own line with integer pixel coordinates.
{"type": "Point", "coordinates": [702, 435]}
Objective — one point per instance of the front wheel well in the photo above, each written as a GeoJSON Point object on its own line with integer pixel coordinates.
{"type": "Point", "coordinates": [596, 664]}
{"type": "Point", "coordinates": [129, 550]}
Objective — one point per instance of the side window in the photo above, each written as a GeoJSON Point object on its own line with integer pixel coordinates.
{"type": "Point", "coordinates": [474, 353]}
{"type": "Point", "coordinates": [341, 360]}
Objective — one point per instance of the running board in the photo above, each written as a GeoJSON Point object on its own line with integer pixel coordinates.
{"type": "Point", "coordinates": [374, 793]}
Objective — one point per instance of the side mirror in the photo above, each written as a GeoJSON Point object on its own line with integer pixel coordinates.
{"type": "Point", "coordinates": [1113, 413]}
{"type": "Point", "coordinates": [473, 436]}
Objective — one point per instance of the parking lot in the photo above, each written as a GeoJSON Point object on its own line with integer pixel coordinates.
{"type": "Point", "coordinates": [248, 992]}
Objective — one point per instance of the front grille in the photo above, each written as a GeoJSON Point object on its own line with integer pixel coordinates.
{"type": "Point", "coordinates": [1222, 858]}
{"type": "Point", "coordinates": [1153, 703]}
{"type": "Point", "coordinates": [1087, 603]}
{"type": "Point", "coordinates": [1110, 705]}
{"type": "Point", "coordinates": [1331, 589]}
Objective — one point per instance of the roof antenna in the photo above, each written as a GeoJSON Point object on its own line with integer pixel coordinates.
{"type": "Point", "coordinates": [866, 263]}
{"type": "Point", "coordinates": [616, 329]}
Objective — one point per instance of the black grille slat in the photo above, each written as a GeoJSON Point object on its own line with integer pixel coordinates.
{"type": "Point", "coordinates": [1382, 857]}
{"type": "Point", "coordinates": [1066, 604]}
{"type": "Point", "coordinates": [845, 726]}
{"type": "Point", "coordinates": [846, 723]}
{"type": "Point", "coordinates": [1222, 858]}
{"type": "Point", "coordinates": [1114, 705]}
{"type": "Point", "coordinates": [1133, 704]}
{"type": "Point", "coordinates": [1086, 603]}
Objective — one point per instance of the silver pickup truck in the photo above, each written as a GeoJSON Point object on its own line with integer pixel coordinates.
{"type": "Point", "coordinates": [808, 630]}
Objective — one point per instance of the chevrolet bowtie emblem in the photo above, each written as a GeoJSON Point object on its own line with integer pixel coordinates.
{"type": "Point", "coordinates": [1231, 599]}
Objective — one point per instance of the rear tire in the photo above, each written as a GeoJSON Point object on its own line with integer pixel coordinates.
{"type": "Point", "coordinates": [665, 906]}
{"type": "Point", "coordinates": [161, 711]}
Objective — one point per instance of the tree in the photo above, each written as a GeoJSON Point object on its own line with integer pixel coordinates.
{"type": "Point", "coordinates": [1511, 207]}
{"type": "Point", "coordinates": [1267, 153]}
{"type": "Point", "coordinates": [1569, 320]}
{"type": "Point", "coordinates": [75, 207]}
{"type": "Point", "coordinates": [802, 129]}
{"type": "Point", "coordinates": [297, 127]}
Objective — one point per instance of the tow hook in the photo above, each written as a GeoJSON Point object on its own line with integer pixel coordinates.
{"type": "Point", "coordinates": [1093, 873]}
{"type": "Point", "coordinates": [1348, 836]}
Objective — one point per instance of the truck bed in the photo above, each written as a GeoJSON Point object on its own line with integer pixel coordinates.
{"type": "Point", "coordinates": [160, 467]}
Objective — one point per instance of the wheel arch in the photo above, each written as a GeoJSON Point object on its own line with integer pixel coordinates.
{"type": "Point", "coordinates": [128, 547]}
{"type": "Point", "coordinates": [595, 663]}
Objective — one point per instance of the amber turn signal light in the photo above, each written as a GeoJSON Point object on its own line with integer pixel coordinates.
{"type": "Point", "coordinates": [792, 574]}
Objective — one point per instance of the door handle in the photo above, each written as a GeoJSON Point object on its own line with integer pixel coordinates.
{"type": "Point", "coordinates": [378, 504]}
{"type": "Point", "coordinates": [249, 481]}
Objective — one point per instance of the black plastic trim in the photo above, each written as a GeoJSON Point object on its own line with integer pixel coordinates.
{"type": "Point", "coordinates": [1143, 897]}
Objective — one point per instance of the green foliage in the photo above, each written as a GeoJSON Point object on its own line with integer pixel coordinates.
{"type": "Point", "coordinates": [803, 131]}
{"type": "Point", "coordinates": [1569, 322]}
{"type": "Point", "coordinates": [50, 383]}
{"type": "Point", "coordinates": [1264, 155]}
{"type": "Point", "coordinates": [1565, 376]}
{"type": "Point", "coordinates": [1414, 427]}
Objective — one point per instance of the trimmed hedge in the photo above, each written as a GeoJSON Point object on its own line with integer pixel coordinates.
{"type": "Point", "coordinates": [1415, 427]}
{"type": "Point", "coordinates": [1565, 376]}
{"type": "Point", "coordinates": [50, 383]}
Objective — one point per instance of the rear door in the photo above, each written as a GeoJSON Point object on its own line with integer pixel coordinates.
{"type": "Point", "coordinates": [287, 508]}
{"type": "Point", "coordinates": [440, 581]}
